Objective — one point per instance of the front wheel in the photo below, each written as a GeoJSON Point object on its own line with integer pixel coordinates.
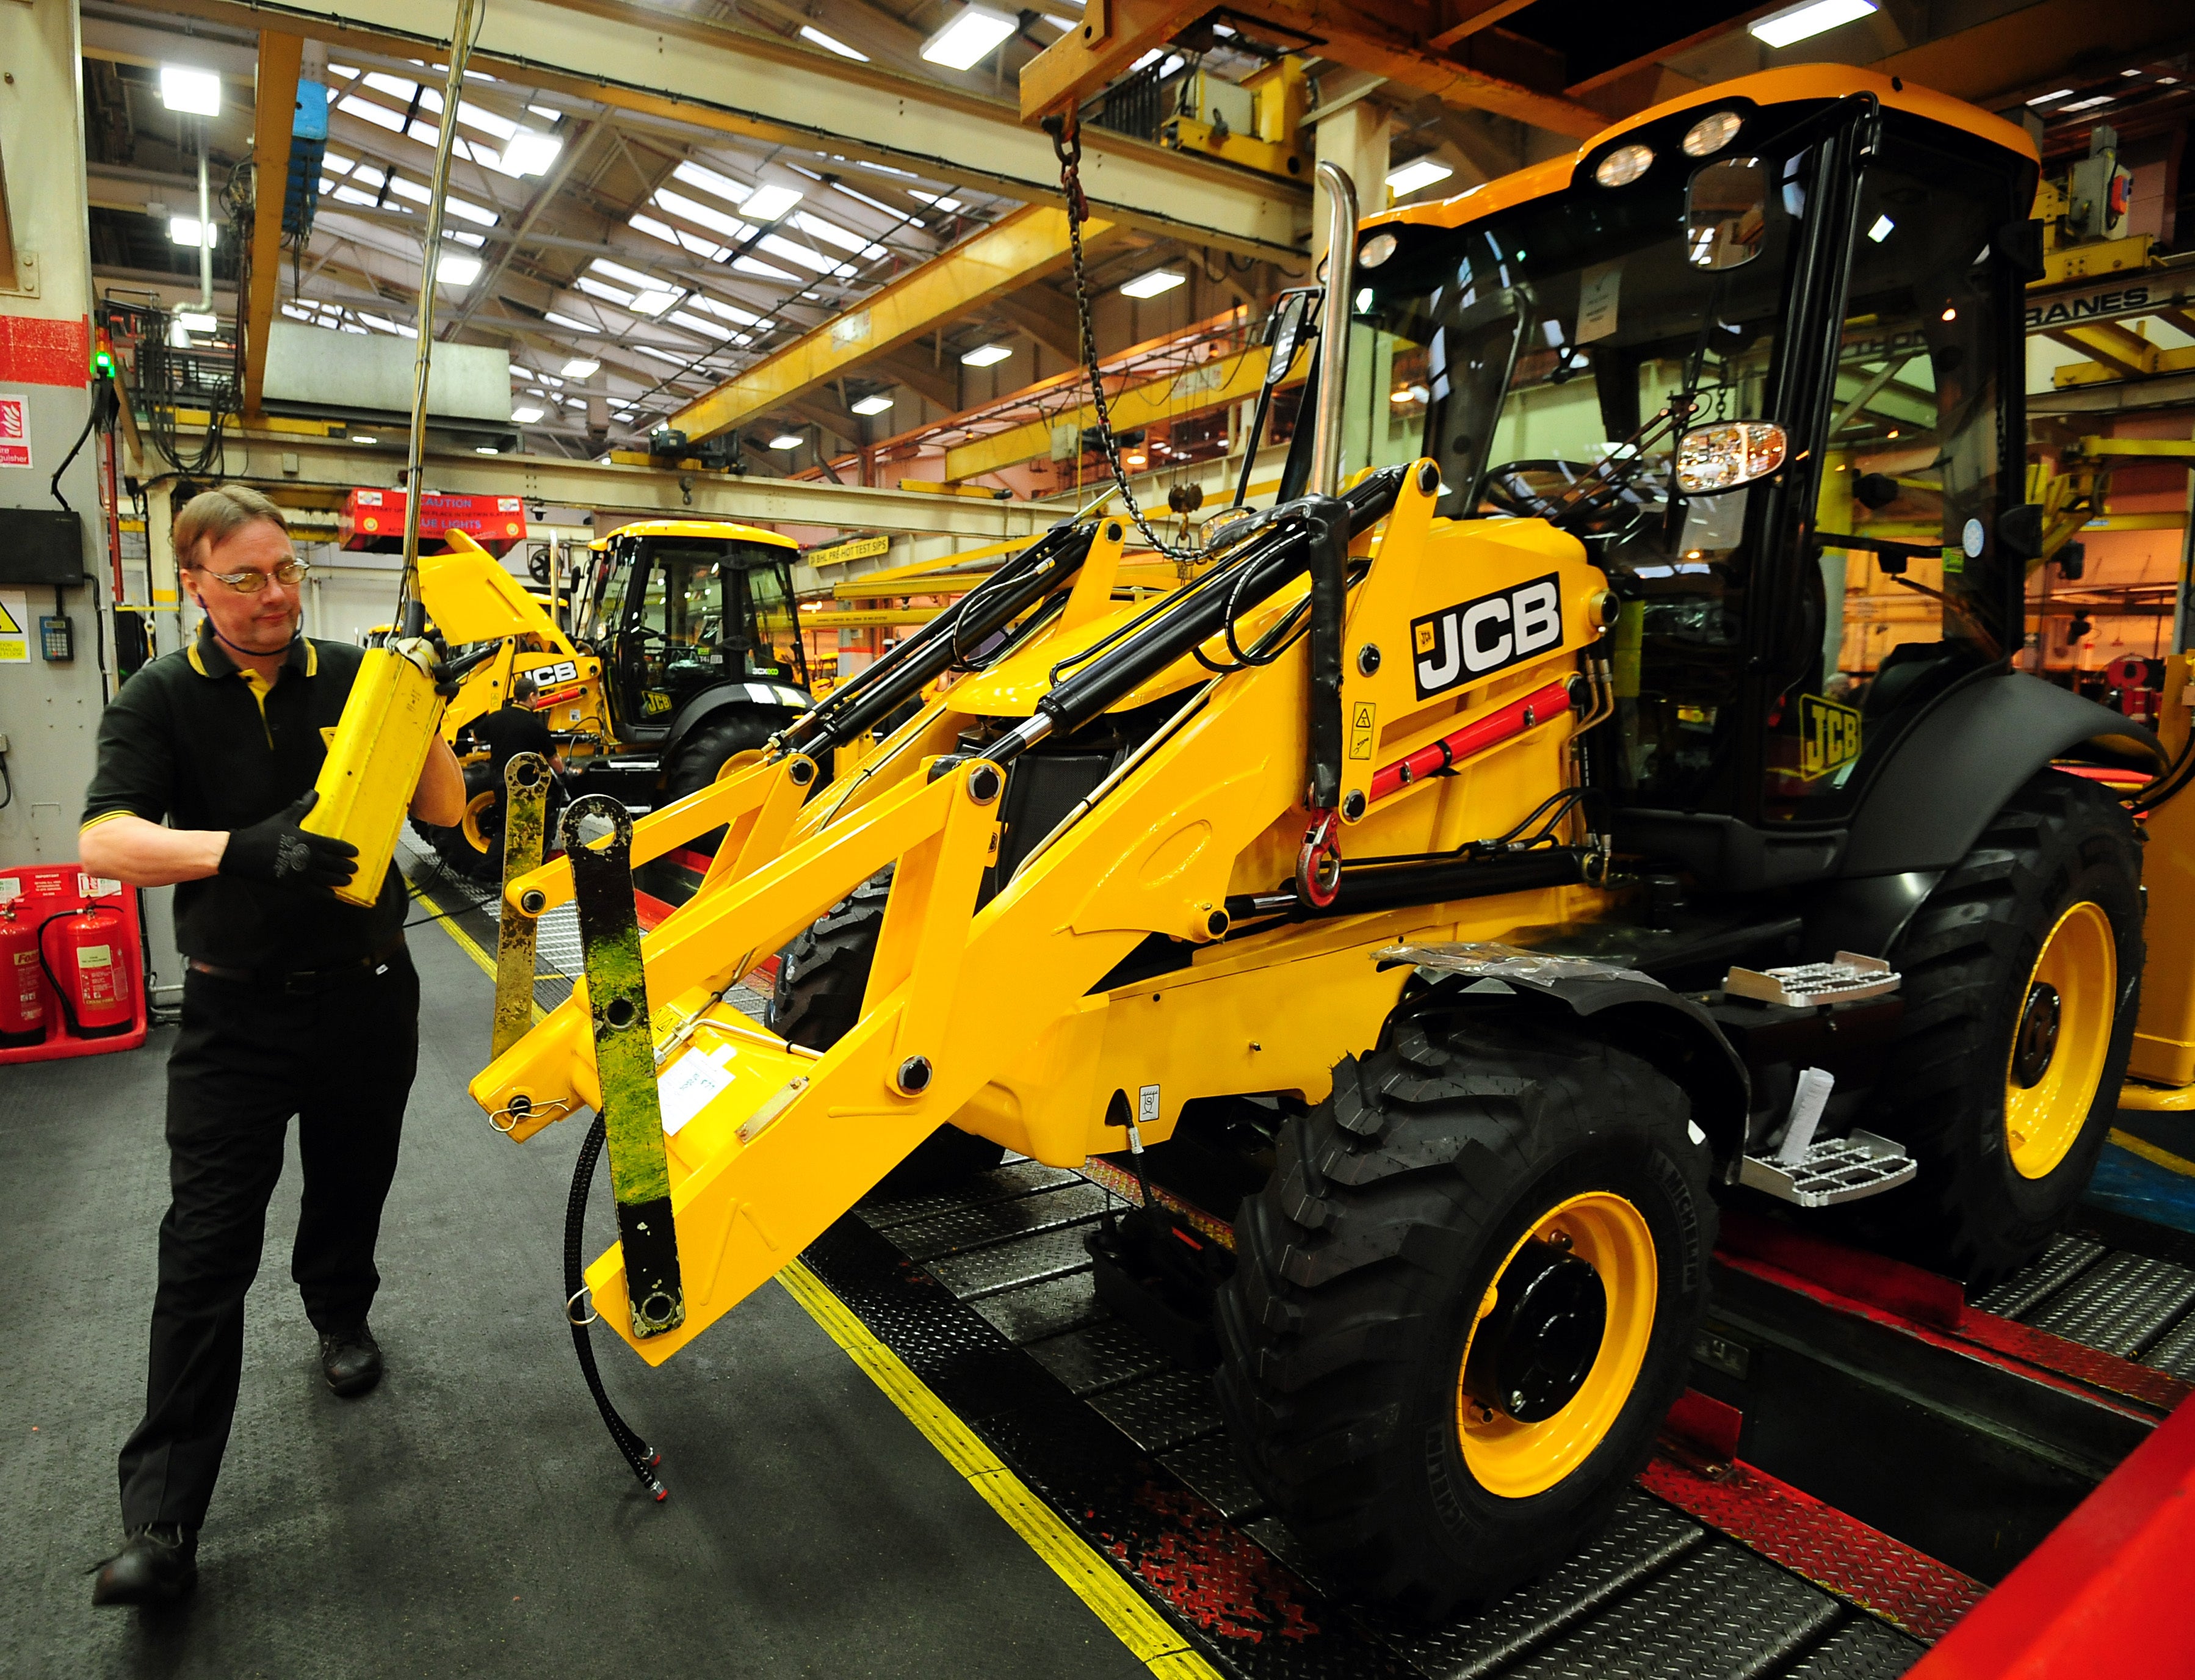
{"type": "Point", "coordinates": [1464, 1302]}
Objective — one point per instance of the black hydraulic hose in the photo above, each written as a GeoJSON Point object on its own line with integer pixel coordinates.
{"type": "Point", "coordinates": [639, 1457]}
{"type": "Point", "coordinates": [902, 673]}
{"type": "Point", "coordinates": [1329, 607]}
{"type": "Point", "coordinates": [1277, 557]}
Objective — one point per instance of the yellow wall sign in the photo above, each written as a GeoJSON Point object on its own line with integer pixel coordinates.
{"type": "Point", "coordinates": [853, 548]}
{"type": "Point", "coordinates": [14, 629]}
{"type": "Point", "coordinates": [1829, 737]}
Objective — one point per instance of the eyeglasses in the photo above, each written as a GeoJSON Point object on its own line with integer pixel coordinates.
{"type": "Point", "coordinates": [250, 583]}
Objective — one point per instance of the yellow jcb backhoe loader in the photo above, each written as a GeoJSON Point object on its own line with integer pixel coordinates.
{"type": "Point", "coordinates": [1475, 845]}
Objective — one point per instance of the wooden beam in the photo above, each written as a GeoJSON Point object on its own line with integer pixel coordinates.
{"type": "Point", "coordinates": [274, 113]}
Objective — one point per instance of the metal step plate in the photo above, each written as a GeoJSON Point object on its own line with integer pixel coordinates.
{"type": "Point", "coordinates": [1833, 1170]}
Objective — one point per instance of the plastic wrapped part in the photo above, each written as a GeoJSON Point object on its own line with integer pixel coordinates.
{"type": "Point", "coordinates": [1495, 960]}
{"type": "Point", "coordinates": [1846, 979]}
{"type": "Point", "coordinates": [1807, 1102]}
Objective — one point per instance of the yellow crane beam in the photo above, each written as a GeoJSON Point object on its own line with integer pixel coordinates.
{"type": "Point", "coordinates": [274, 113]}
{"type": "Point", "coordinates": [1011, 253]}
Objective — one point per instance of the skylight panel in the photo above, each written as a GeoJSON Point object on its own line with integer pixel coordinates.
{"type": "Point", "coordinates": [693, 323]}
{"type": "Point", "coordinates": [379, 115]}
{"type": "Point", "coordinates": [632, 277]}
{"type": "Point", "coordinates": [760, 269]}
{"type": "Point", "coordinates": [728, 311]}
{"type": "Point", "coordinates": [595, 288]}
{"type": "Point", "coordinates": [778, 245]}
{"type": "Point", "coordinates": [695, 174]}
{"type": "Point", "coordinates": [569, 323]}
{"type": "Point", "coordinates": [695, 211]}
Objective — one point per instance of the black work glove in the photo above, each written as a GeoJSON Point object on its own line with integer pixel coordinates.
{"type": "Point", "coordinates": [278, 850]}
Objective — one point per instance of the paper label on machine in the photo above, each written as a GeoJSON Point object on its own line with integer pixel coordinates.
{"type": "Point", "coordinates": [694, 1081]}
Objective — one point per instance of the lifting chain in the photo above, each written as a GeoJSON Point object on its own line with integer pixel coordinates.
{"type": "Point", "coordinates": [1067, 146]}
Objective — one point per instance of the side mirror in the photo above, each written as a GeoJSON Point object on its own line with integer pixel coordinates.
{"type": "Point", "coordinates": [1711, 459]}
{"type": "Point", "coordinates": [1286, 330]}
{"type": "Point", "coordinates": [2020, 248]}
{"type": "Point", "coordinates": [1726, 213]}
{"type": "Point", "coordinates": [2019, 531]}
{"type": "Point", "coordinates": [2073, 560]}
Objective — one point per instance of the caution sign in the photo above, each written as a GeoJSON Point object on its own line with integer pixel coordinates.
{"type": "Point", "coordinates": [1364, 725]}
{"type": "Point", "coordinates": [1829, 737]}
{"type": "Point", "coordinates": [15, 636]}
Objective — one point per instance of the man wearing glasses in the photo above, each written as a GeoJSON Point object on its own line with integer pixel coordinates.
{"type": "Point", "coordinates": [294, 1002]}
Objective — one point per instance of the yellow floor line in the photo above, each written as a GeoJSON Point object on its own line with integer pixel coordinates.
{"type": "Point", "coordinates": [1134, 1622]}
{"type": "Point", "coordinates": [2150, 1152]}
{"type": "Point", "coordinates": [1155, 1644]}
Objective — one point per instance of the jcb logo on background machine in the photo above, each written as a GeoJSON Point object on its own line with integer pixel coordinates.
{"type": "Point", "coordinates": [1491, 633]}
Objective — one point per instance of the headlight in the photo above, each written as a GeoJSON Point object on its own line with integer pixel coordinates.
{"type": "Point", "coordinates": [1711, 134]}
{"type": "Point", "coordinates": [1722, 457]}
{"type": "Point", "coordinates": [1375, 251]}
{"type": "Point", "coordinates": [1624, 166]}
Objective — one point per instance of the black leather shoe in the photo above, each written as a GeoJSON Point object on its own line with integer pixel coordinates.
{"type": "Point", "coordinates": [351, 1361]}
{"type": "Point", "coordinates": [157, 1565]}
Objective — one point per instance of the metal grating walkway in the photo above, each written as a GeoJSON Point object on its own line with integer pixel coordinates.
{"type": "Point", "coordinates": [993, 1279]}
{"type": "Point", "coordinates": [2136, 1306]}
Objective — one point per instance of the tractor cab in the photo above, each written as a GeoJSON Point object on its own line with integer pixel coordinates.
{"type": "Point", "coordinates": [1759, 353]}
{"type": "Point", "coordinates": [679, 608]}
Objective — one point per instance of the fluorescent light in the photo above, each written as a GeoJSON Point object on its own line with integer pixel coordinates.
{"type": "Point", "coordinates": [193, 321]}
{"type": "Point", "coordinates": [653, 302]}
{"type": "Point", "coordinates": [485, 449]}
{"type": "Point", "coordinates": [969, 37]}
{"type": "Point", "coordinates": [356, 437]}
{"type": "Point", "coordinates": [769, 203]}
{"type": "Point", "coordinates": [2045, 99]}
{"type": "Point", "coordinates": [1880, 230]}
{"type": "Point", "coordinates": [1806, 20]}
{"type": "Point", "coordinates": [455, 268]}
{"type": "Point", "coordinates": [831, 44]}
{"type": "Point", "coordinates": [1152, 284]}
{"type": "Point", "coordinates": [983, 355]}
{"type": "Point", "coordinates": [184, 230]}
{"type": "Point", "coordinates": [787, 440]}
{"type": "Point", "coordinates": [195, 93]}
{"type": "Point", "coordinates": [878, 404]}
{"type": "Point", "coordinates": [2086, 103]}
{"type": "Point", "coordinates": [528, 152]}
{"type": "Point", "coordinates": [526, 416]}
{"type": "Point", "coordinates": [1418, 172]}
{"type": "Point", "coordinates": [581, 367]}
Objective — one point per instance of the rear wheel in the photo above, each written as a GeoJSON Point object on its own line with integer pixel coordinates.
{"type": "Point", "coordinates": [702, 756]}
{"type": "Point", "coordinates": [820, 979]}
{"type": "Point", "coordinates": [471, 848]}
{"type": "Point", "coordinates": [1464, 1302]}
{"type": "Point", "coordinates": [2022, 978]}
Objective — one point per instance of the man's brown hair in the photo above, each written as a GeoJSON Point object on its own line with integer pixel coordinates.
{"type": "Point", "coordinates": [212, 514]}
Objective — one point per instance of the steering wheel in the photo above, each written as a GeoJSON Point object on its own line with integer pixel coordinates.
{"type": "Point", "coordinates": [1533, 489]}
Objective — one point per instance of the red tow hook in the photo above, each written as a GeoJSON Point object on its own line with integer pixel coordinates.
{"type": "Point", "coordinates": [1318, 864]}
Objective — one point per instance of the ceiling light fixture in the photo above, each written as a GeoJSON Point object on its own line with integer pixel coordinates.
{"type": "Point", "coordinates": [985, 355]}
{"type": "Point", "coordinates": [526, 416]}
{"type": "Point", "coordinates": [1150, 285]}
{"type": "Point", "coordinates": [193, 321]}
{"type": "Point", "coordinates": [455, 268]}
{"type": "Point", "coordinates": [1418, 172]}
{"type": "Point", "coordinates": [2045, 99]}
{"type": "Point", "coordinates": [581, 367]}
{"type": "Point", "coordinates": [787, 440]}
{"type": "Point", "coordinates": [878, 404]}
{"type": "Point", "coordinates": [193, 93]}
{"type": "Point", "coordinates": [359, 437]}
{"type": "Point", "coordinates": [184, 230]}
{"type": "Point", "coordinates": [970, 38]}
{"type": "Point", "coordinates": [1806, 20]}
{"type": "Point", "coordinates": [830, 44]}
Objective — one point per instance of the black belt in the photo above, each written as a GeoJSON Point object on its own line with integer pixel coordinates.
{"type": "Point", "coordinates": [300, 981]}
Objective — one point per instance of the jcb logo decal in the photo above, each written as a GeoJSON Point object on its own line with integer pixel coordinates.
{"type": "Point", "coordinates": [1829, 737]}
{"type": "Point", "coordinates": [1491, 633]}
{"type": "Point", "coordinates": [563, 671]}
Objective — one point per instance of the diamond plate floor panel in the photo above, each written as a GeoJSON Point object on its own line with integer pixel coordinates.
{"type": "Point", "coordinates": [1018, 1178]}
{"type": "Point", "coordinates": [1104, 1354]}
{"type": "Point", "coordinates": [986, 1271]}
{"type": "Point", "coordinates": [1156, 1412]}
{"type": "Point", "coordinates": [1213, 1467]}
{"type": "Point", "coordinates": [2120, 1305]}
{"type": "Point", "coordinates": [1859, 1648]}
{"type": "Point", "coordinates": [2175, 1354]}
{"type": "Point", "coordinates": [1042, 1309]}
{"type": "Point", "coordinates": [941, 1234]}
{"type": "Point", "coordinates": [2064, 1260]}
{"type": "Point", "coordinates": [1718, 1612]}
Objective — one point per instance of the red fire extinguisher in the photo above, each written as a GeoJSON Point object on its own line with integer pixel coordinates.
{"type": "Point", "coordinates": [94, 981]}
{"type": "Point", "coordinates": [22, 988]}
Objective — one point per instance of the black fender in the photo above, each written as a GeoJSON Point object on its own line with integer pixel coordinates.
{"type": "Point", "coordinates": [1622, 1008]}
{"type": "Point", "coordinates": [781, 701]}
{"type": "Point", "coordinates": [1956, 767]}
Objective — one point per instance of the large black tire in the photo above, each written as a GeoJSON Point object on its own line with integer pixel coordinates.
{"type": "Point", "coordinates": [821, 977]}
{"type": "Point", "coordinates": [1392, 1209]}
{"type": "Point", "coordinates": [702, 754]}
{"type": "Point", "coordinates": [1967, 958]}
{"type": "Point", "coordinates": [455, 847]}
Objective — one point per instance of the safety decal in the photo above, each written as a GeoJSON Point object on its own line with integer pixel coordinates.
{"type": "Point", "coordinates": [1829, 737]}
{"type": "Point", "coordinates": [1364, 725]}
{"type": "Point", "coordinates": [1478, 637]}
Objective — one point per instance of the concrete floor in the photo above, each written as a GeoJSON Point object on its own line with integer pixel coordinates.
{"type": "Point", "coordinates": [470, 1517]}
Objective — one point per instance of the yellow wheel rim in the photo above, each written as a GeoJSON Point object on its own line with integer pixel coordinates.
{"type": "Point", "coordinates": [2060, 1039]}
{"type": "Point", "coordinates": [470, 822]}
{"type": "Point", "coordinates": [1516, 1460]}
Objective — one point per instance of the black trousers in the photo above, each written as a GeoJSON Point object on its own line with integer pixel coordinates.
{"type": "Point", "coordinates": [249, 1057]}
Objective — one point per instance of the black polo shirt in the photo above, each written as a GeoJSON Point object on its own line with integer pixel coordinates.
{"type": "Point", "coordinates": [195, 741]}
